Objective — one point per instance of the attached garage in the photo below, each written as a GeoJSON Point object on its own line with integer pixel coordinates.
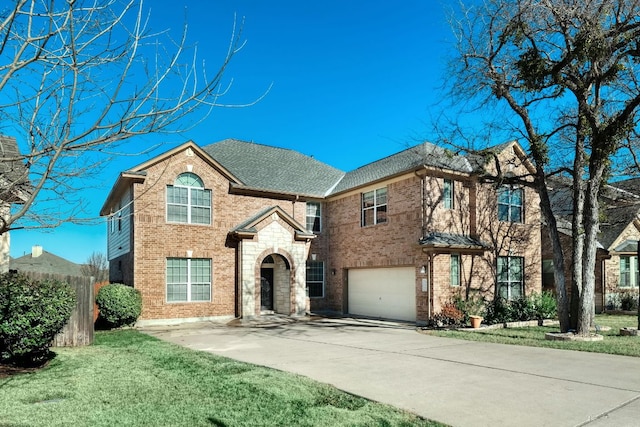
{"type": "Point", "coordinates": [388, 293]}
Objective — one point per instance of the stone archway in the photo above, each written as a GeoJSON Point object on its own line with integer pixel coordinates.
{"type": "Point", "coordinates": [272, 233]}
{"type": "Point", "coordinates": [274, 287]}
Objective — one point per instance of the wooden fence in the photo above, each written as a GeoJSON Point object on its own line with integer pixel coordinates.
{"type": "Point", "coordinates": [79, 329]}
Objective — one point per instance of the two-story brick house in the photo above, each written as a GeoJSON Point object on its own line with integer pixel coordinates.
{"type": "Point", "coordinates": [236, 229]}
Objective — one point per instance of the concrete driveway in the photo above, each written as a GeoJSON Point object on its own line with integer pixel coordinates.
{"type": "Point", "coordinates": [462, 383]}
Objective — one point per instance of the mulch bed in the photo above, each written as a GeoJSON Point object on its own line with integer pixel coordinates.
{"type": "Point", "coordinates": [10, 370]}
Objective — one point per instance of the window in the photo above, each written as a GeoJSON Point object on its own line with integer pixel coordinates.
{"type": "Point", "coordinates": [313, 216]}
{"type": "Point", "coordinates": [628, 271]}
{"type": "Point", "coordinates": [447, 194]}
{"type": "Point", "coordinates": [187, 200]}
{"type": "Point", "coordinates": [315, 279]}
{"type": "Point", "coordinates": [510, 277]}
{"type": "Point", "coordinates": [374, 207]}
{"type": "Point", "coordinates": [454, 269]}
{"type": "Point", "coordinates": [510, 204]}
{"type": "Point", "coordinates": [188, 279]}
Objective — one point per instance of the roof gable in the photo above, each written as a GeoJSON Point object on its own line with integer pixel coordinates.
{"type": "Point", "coordinates": [248, 228]}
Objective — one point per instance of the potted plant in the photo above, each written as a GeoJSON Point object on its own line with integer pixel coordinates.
{"type": "Point", "coordinates": [475, 309]}
{"type": "Point", "coordinates": [475, 320]}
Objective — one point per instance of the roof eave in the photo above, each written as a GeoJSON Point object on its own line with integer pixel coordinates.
{"type": "Point", "coordinates": [122, 183]}
{"type": "Point", "coordinates": [245, 190]}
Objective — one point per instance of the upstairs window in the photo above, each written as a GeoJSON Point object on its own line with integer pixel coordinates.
{"type": "Point", "coordinates": [313, 217]}
{"type": "Point", "coordinates": [510, 204]}
{"type": "Point", "coordinates": [374, 207]}
{"type": "Point", "coordinates": [447, 194]}
{"type": "Point", "coordinates": [187, 200]}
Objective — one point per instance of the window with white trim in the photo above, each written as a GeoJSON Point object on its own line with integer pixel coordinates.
{"type": "Point", "coordinates": [448, 193]}
{"type": "Point", "coordinates": [454, 269]}
{"type": "Point", "coordinates": [315, 279]}
{"type": "Point", "coordinates": [188, 201]}
{"type": "Point", "coordinates": [188, 279]}
{"type": "Point", "coordinates": [313, 217]}
{"type": "Point", "coordinates": [374, 207]}
{"type": "Point", "coordinates": [510, 204]}
{"type": "Point", "coordinates": [510, 272]}
{"type": "Point", "coordinates": [628, 271]}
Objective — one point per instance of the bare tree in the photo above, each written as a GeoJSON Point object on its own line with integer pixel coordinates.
{"type": "Point", "coordinates": [567, 74]}
{"type": "Point", "coordinates": [96, 266]}
{"type": "Point", "coordinates": [80, 77]}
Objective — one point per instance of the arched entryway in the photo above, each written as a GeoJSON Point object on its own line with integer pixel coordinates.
{"type": "Point", "coordinates": [275, 285]}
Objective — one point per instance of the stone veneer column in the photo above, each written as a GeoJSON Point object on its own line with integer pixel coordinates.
{"type": "Point", "coordinates": [273, 239]}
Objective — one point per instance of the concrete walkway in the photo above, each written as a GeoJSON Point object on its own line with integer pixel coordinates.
{"type": "Point", "coordinates": [462, 383]}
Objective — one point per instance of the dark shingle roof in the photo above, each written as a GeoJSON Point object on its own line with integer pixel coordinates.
{"type": "Point", "coordinates": [629, 185]}
{"type": "Point", "coordinates": [616, 219]}
{"type": "Point", "coordinates": [276, 169]}
{"type": "Point", "coordinates": [620, 208]}
{"type": "Point", "coordinates": [452, 241]}
{"type": "Point", "coordinates": [414, 157]}
{"type": "Point", "coordinates": [45, 263]}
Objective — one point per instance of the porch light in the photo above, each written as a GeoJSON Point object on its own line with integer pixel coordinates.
{"type": "Point", "coordinates": [423, 269]}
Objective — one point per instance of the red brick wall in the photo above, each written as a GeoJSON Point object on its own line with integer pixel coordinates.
{"type": "Point", "coordinates": [395, 243]}
{"type": "Point", "coordinates": [155, 240]}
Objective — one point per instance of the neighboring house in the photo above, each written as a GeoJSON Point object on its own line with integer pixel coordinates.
{"type": "Point", "coordinates": [13, 190]}
{"type": "Point", "coordinates": [620, 233]}
{"type": "Point", "coordinates": [616, 257]}
{"type": "Point", "coordinates": [41, 261]}
{"type": "Point", "coordinates": [237, 229]}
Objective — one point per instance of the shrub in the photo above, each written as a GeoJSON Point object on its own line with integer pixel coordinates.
{"type": "Point", "coordinates": [31, 314]}
{"type": "Point", "coordinates": [521, 309]}
{"type": "Point", "coordinates": [449, 315]}
{"type": "Point", "coordinates": [119, 304]}
{"type": "Point", "coordinates": [473, 306]}
{"type": "Point", "coordinates": [532, 307]}
{"type": "Point", "coordinates": [545, 305]}
{"type": "Point", "coordinates": [613, 301]}
{"type": "Point", "coordinates": [498, 311]}
{"type": "Point", "coordinates": [629, 301]}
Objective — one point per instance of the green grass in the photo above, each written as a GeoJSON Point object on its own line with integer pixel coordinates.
{"type": "Point", "coordinates": [130, 379]}
{"type": "Point", "coordinates": [534, 337]}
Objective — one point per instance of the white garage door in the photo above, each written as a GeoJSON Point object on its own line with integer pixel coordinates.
{"type": "Point", "coordinates": [389, 293]}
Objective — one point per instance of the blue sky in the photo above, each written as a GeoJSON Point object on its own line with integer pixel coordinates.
{"type": "Point", "coordinates": [351, 82]}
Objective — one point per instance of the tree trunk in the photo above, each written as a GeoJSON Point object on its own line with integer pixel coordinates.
{"type": "Point", "coordinates": [591, 227]}
{"type": "Point", "coordinates": [558, 255]}
{"type": "Point", "coordinates": [577, 245]}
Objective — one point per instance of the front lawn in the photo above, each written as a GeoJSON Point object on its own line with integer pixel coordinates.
{"type": "Point", "coordinates": [128, 378]}
{"type": "Point", "coordinates": [534, 336]}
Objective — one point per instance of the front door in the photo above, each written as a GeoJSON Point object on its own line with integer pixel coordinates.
{"type": "Point", "coordinates": [266, 289]}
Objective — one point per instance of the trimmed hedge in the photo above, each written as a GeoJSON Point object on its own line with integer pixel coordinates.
{"type": "Point", "coordinates": [31, 314]}
{"type": "Point", "coordinates": [120, 305]}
